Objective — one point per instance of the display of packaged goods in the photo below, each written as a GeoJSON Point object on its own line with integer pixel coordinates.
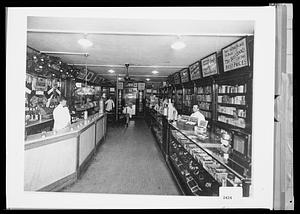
{"type": "Point", "coordinates": [232, 89]}
{"type": "Point", "coordinates": [237, 100]}
{"type": "Point", "coordinates": [204, 90]}
{"type": "Point", "coordinates": [240, 122]}
{"type": "Point", "coordinates": [204, 97]}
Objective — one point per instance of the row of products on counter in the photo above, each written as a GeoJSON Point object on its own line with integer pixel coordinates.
{"type": "Point", "coordinates": [32, 114]}
{"type": "Point", "coordinates": [232, 111]}
{"type": "Point", "coordinates": [232, 89]}
{"type": "Point", "coordinates": [237, 100]}
{"type": "Point", "coordinates": [239, 122]}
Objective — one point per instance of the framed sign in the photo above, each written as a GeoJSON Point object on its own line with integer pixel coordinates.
{"type": "Point", "coordinates": [111, 89]}
{"type": "Point", "coordinates": [176, 78]}
{"type": "Point", "coordinates": [89, 76]}
{"type": "Point", "coordinates": [195, 71]}
{"type": "Point", "coordinates": [149, 90]}
{"type": "Point", "coordinates": [96, 79]}
{"type": "Point", "coordinates": [141, 86]}
{"type": "Point", "coordinates": [184, 75]}
{"type": "Point", "coordinates": [209, 65]}
{"type": "Point", "coordinates": [235, 55]}
{"type": "Point", "coordinates": [81, 75]}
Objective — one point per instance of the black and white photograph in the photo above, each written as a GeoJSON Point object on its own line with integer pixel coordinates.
{"type": "Point", "coordinates": [124, 109]}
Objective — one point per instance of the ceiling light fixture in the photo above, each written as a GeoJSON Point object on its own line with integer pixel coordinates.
{"type": "Point", "coordinates": [155, 72]}
{"type": "Point", "coordinates": [85, 43]}
{"type": "Point", "coordinates": [179, 44]}
{"type": "Point", "coordinates": [148, 79]}
{"type": "Point", "coordinates": [111, 71]}
{"type": "Point", "coordinates": [119, 78]}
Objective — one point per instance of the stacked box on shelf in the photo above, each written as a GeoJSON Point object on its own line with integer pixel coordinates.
{"type": "Point", "coordinates": [231, 104]}
{"type": "Point", "coordinates": [179, 96]}
{"type": "Point", "coordinates": [204, 100]}
{"type": "Point", "coordinates": [188, 99]}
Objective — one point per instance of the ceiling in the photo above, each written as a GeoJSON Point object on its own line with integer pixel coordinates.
{"type": "Point", "coordinates": [143, 43]}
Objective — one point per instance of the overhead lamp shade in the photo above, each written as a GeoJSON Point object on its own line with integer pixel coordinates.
{"type": "Point", "coordinates": [111, 71]}
{"type": "Point", "coordinates": [154, 72]}
{"type": "Point", "coordinates": [178, 45]}
{"type": "Point", "coordinates": [85, 42]}
{"type": "Point", "coordinates": [148, 79]}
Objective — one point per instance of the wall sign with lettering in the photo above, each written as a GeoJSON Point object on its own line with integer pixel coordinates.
{"type": "Point", "coordinates": [195, 71]}
{"type": "Point", "coordinates": [141, 86]}
{"type": "Point", "coordinates": [177, 78]}
{"type": "Point", "coordinates": [184, 75]}
{"type": "Point", "coordinates": [235, 55]}
{"type": "Point", "coordinates": [209, 65]}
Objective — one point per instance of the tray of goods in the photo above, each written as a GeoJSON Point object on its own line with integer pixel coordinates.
{"type": "Point", "coordinates": [221, 176]}
{"type": "Point", "coordinates": [189, 126]}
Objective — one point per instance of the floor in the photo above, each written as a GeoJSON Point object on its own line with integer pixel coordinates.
{"type": "Point", "coordinates": [128, 162]}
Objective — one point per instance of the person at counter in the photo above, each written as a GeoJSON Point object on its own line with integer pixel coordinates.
{"type": "Point", "coordinates": [197, 114]}
{"type": "Point", "coordinates": [61, 115]}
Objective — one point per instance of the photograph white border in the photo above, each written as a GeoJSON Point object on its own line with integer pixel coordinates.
{"type": "Point", "coordinates": [263, 110]}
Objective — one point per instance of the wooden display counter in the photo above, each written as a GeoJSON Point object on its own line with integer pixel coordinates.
{"type": "Point", "coordinates": [56, 159]}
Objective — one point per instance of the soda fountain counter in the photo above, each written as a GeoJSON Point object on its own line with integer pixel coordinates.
{"type": "Point", "coordinates": [56, 159]}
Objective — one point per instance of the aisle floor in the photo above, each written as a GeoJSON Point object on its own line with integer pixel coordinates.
{"type": "Point", "coordinates": [128, 162]}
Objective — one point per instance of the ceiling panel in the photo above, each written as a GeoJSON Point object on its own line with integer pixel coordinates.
{"type": "Point", "coordinates": [138, 50]}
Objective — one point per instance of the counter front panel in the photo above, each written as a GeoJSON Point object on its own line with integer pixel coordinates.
{"type": "Point", "coordinates": [53, 159]}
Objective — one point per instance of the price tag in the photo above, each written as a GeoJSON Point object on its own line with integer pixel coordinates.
{"type": "Point", "coordinates": [230, 193]}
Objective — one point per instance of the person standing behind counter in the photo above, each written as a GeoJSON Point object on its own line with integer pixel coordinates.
{"type": "Point", "coordinates": [197, 114]}
{"type": "Point", "coordinates": [61, 115]}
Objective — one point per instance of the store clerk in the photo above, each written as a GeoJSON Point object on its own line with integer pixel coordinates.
{"type": "Point", "coordinates": [197, 114]}
{"type": "Point", "coordinates": [61, 115]}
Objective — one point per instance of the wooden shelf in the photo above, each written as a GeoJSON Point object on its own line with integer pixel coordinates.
{"type": "Point", "coordinates": [230, 115]}
{"type": "Point", "coordinates": [233, 105]}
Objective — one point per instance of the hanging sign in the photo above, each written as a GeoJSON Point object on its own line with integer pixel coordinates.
{"type": "Point", "coordinates": [141, 86]}
{"type": "Point", "coordinates": [235, 55]}
{"type": "Point", "coordinates": [209, 65]}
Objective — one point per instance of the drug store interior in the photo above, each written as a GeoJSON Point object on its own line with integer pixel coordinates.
{"type": "Point", "coordinates": [160, 70]}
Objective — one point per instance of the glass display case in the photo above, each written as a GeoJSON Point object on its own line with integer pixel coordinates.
{"type": "Point", "coordinates": [201, 164]}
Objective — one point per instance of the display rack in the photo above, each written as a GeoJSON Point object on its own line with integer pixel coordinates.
{"type": "Point", "coordinates": [204, 99]}
{"type": "Point", "coordinates": [188, 99]}
{"type": "Point", "coordinates": [179, 100]}
{"type": "Point", "coordinates": [234, 102]}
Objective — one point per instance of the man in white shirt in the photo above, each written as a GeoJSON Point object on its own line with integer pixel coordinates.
{"type": "Point", "coordinates": [128, 112]}
{"type": "Point", "coordinates": [197, 114]}
{"type": "Point", "coordinates": [61, 115]}
{"type": "Point", "coordinates": [109, 104]}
